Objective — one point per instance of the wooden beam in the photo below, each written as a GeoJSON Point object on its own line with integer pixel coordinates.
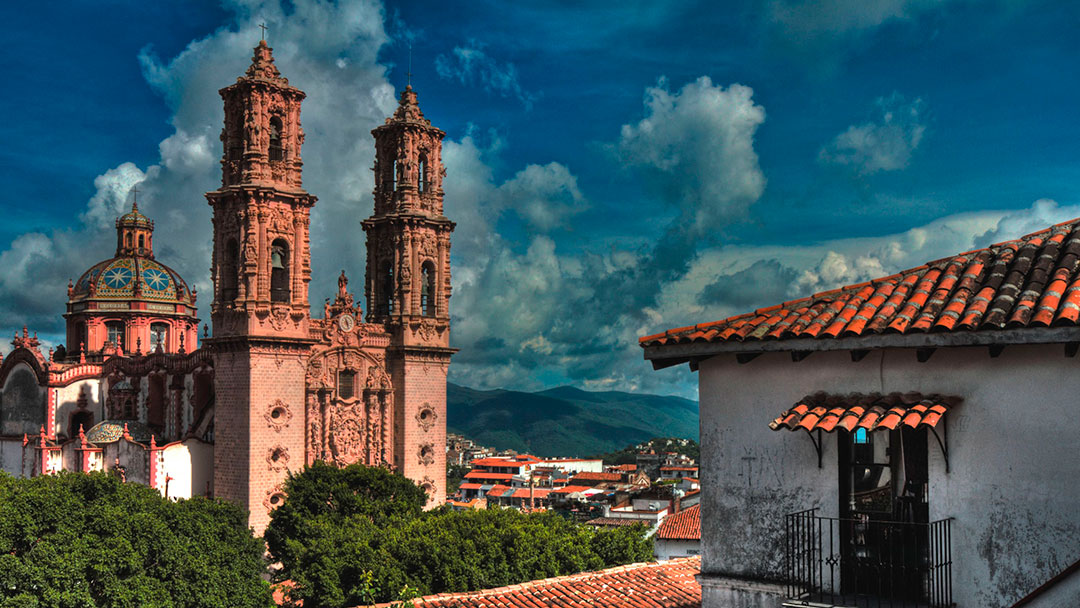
{"type": "Point", "coordinates": [995, 350]}
{"type": "Point", "coordinates": [743, 358]}
{"type": "Point", "coordinates": [666, 363]}
{"type": "Point", "coordinates": [799, 355]}
{"type": "Point", "coordinates": [924, 354]}
{"type": "Point", "coordinates": [1071, 348]}
{"type": "Point", "coordinates": [859, 354]}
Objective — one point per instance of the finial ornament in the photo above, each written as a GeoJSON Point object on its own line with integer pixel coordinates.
{"type": "Point", "coordinates": [262, 26]}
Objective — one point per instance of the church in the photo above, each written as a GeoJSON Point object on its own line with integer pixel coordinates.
{"type": "Point", "coordinates": [270, 389]}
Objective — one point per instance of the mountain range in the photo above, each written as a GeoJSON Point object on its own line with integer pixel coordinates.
{"type": "Point", "coordinates": [566, 421]}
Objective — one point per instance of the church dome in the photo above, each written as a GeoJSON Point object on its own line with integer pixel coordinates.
{"type": "Point", "coordinates": [132, 278]}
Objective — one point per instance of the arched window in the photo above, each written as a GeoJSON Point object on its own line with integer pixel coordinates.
{"type": "Point", "coordinates": [159, 337]}
{"type": "Point", "coordinates": [394, 176]}
{"type": "Point", "coordinates": [385, 305]}
{"type": "Point", "coordinates": [114, 331]}
{"type": "Point", "coordinates": [346, 386]}
{"type": "Point", "coordinates": [276, 151]}
{"type": "Point", "coordinates": [127, 240]}
{"type": "Point", "coordinates": [422, 181]}
{"type": "Point", "coordinates": [279, 271]}
{"type": "Point", "coordinates": [230, 265]}
{"type": "Point", "coordinates": [142, 242]}
{"type": "Point", "coordinates": [155, 401]}
{"type": "Point", "coordinates": [427, 289]}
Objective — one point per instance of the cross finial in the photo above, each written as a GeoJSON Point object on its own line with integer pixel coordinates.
{"type": "Point", "coordinates": [262, 26]}
{"type": "Point", "coordinates": [135, 197]}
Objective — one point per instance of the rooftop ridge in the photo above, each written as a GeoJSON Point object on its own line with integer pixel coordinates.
{"type": "Point", "coordinates": [1031, 281]}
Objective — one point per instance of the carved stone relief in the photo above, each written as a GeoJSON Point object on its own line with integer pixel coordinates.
{"type": "Point", "coordinates": [278, 414]}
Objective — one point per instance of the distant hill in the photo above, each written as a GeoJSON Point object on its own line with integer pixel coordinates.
{"type": "Point", "coordinates": [566, 421]}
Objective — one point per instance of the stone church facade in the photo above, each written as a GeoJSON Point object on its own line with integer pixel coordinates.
{"type": "Point", "coordinates": [272, 389]}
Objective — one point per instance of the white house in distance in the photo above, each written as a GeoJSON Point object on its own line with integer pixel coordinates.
{"type": "Point", "coordinates": [909, 439]}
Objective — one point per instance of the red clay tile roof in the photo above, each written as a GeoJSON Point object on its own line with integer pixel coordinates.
{"type": "Point", "coordinates": [873, 411]}
{"type": "Point", "coordinates": [537, 493]}
{"type": "Point", "coordinates": [572, 489]}
{"type": "Point", "coordinates": [678, 468]}
{"type": "Point", "coordinates": [684, 525]}
{"type": "Point", "coordinates": [516, 462]}
{"type": "Point", "coordinates": [580, 477]}
{"type": "Point", "coordinates": [669, 584]}
{"type": "Point", "coordinates": [470, 486]}
{"type": "Point", "coordinates": [1029, 282]}
{"type": "Point", "coordinates": [486, 475]}
{"type": "Point", "coordinates": [625, 468]}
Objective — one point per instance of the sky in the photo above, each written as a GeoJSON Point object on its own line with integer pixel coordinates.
{"type": "Point", "coordinates": [614, 169]}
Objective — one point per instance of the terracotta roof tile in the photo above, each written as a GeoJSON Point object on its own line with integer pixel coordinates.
{"type": "Point", "coordinates": [1028, 282]}
{"type": "Point", "coordinates": [826, 412]}
{"type": "Point", "coordinates": [684, 525]}
{"type": "Point", "coordinates": [669, 584]}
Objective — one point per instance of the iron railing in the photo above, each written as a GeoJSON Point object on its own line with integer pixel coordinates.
{"type": "Point", "coordinates": [867, 563]}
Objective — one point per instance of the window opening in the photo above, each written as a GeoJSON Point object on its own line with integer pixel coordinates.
{"type": "Point", "coordinates": [427, 289]}
{"type": "Point", "coordinates": [115, 334]}
{"type": "Point", "coordinates": [346, 384]}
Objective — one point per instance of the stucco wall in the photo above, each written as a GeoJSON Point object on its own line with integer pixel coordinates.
{"type": "Point", "coordinates": [667, 549]}
{"type": "Point", "coordinates": [190, 467]}
{"type": "Point", "coordinates": [1013, 444]}
{"type": "Point", "coordinates": [22, 405]}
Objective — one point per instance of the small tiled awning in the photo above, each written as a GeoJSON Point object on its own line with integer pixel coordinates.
{"type": "Point", "coordinates": [823, 412]}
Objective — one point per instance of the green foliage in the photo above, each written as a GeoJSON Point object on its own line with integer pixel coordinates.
{"type": "Point", "coordinates": [340, 557]}
{"type": "Point", "coordinates": [679, 445]}
{"type": "Point", "coordinates": [455, 474]}
{"type": "Point", "coordinates": [74, 540]}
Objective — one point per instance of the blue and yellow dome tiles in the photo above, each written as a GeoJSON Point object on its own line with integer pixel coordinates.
{"type": "Point", "coordinates": [117, 278]}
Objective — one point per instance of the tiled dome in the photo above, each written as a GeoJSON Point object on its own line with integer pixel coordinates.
{"type": "Point", "coordinates": [109, 431]}
{"type": "Point", "coordinates": [131, 278]}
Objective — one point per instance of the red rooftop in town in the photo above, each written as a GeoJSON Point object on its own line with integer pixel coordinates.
{"type": "Point", "coordinates": [684, 525]}
{"type": "Point", "coordinates": [669, 584]}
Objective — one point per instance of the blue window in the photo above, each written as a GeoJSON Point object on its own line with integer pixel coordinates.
{"type": "Point", "coordinates": [860, 435]}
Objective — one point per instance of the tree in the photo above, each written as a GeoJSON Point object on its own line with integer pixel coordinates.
{"type": "Point", "coordinates": [342, 541]}
{"type": "Point", "coordinates": [75, 539]}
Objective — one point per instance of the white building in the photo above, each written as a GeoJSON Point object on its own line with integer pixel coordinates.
{"type": "Point", "coordinates": [912, 438]}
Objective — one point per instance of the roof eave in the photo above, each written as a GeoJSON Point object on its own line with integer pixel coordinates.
{"type": "Point", "coordinates": [666, 355]}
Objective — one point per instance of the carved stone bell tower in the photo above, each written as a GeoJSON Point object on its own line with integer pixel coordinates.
{"type": "Point", "coordinates": [408, 287]}
{"type": "Point", "coordinates": [261, 269]}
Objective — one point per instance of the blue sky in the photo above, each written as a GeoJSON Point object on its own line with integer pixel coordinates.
{"type": "Point", "coordinates": [613, 171]}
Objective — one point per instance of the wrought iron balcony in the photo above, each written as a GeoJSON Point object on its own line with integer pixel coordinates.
{"type": "Point", "coordinates": [865, 563]}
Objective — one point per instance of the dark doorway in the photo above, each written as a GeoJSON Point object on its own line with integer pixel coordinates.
{"type": "Point", "coordinates": [884, 513]}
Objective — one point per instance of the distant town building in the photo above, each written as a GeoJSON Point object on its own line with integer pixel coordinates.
{"type": "Point", "coordinates": [679, 535]}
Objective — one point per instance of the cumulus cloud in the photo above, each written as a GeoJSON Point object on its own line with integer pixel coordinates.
{"type": "Point", "coordinates": [471, 65]}
{"type": "Point", "coordinates": [883, 145]}
{"type": "Point", "coordinates": [1042, 213]}
{"type": "Point", "coordinates": [698, 146]}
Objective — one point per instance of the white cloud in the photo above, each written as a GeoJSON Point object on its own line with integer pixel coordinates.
{"type": "Point", "coordinates": [1042, 213]}
{"type": "Point", "coordinates": [472, 65]}
{"type": "Point", "coordinates": [699, 145]}
{"type": "Point", "coordinates": [884, 145]}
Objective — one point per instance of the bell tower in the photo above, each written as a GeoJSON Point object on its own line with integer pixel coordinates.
{"type": "Point", "coordinates": [408, 287]}
{"type": "Point", "coordinates": [261, 269]}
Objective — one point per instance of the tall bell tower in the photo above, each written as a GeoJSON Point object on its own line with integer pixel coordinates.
{"type": "Point", "coordinates": [261, 269]}
{"type": "Point", "coordinates": [408, 287]}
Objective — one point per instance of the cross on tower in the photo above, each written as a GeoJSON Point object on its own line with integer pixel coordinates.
{"type": "Point", "coordinates": [409, 73]}
{"type": "Point", "coordinates": [262, 26]}
{"type": "Point", "coordinates": [134, 195]}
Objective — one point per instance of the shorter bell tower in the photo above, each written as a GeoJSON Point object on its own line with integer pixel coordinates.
{"type": "Point", "coordinates": [408, 287]}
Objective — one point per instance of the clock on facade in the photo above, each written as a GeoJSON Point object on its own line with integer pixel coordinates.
{"type": "Point", "coordinates": [346, 322]}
